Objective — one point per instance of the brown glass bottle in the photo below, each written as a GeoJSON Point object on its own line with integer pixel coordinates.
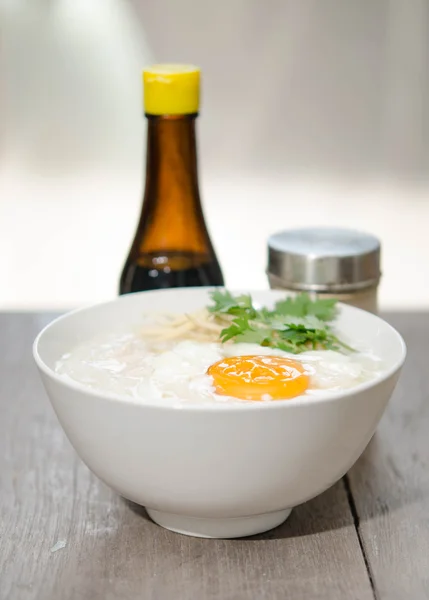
{"type": "Point", "coordinates": [171, 247]}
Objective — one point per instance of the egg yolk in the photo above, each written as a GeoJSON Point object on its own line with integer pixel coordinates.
{"type": "Point", "coordinates": [259, 377]}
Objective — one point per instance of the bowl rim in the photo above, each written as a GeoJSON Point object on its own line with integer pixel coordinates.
{"type": "Point", "coordinates": [329, 396]}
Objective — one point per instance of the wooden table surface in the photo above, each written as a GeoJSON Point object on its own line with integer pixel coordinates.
{"type": "Point", "coordinates": [66, 536]}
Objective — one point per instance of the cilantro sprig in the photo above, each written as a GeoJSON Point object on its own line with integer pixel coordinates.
{"type": "Point", "coordinates": [296, 324]}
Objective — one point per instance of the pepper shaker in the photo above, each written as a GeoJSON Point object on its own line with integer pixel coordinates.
{"type": "Point", "coordinates": [328, 262]}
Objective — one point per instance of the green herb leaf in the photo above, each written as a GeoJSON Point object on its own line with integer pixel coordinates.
{"type": "Point", "coordinates": [323, 309]}
{"type": "Point", "coordinates": [226, 303]}
{"type": "Point", "coordinates": [302, 306]}
{"type": "Point", "coordinates": [295, 325]}
{"type": "Point", "coordinates": [223, 301]}
{"type": "Point", "coordinates": [293, 307]}
{"type": "Point", "coordinates": [287, 348]}
{"type": "Point", "coordinates": [254, 336]}
{"type": "Point", "coordinates": [237, 327]}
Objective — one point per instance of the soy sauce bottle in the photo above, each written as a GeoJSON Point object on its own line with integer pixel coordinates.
{"type": "Point", "coordinates": [171, 247]}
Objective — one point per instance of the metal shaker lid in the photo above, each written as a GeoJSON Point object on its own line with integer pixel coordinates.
{"type": "Point", "coordinates": [324, 259]}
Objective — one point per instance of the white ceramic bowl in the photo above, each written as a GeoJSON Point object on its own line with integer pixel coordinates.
{"type": "Point", "coordinates": [215, 471]}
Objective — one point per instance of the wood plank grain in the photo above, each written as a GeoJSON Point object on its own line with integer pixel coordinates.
{"type": "Point", "coordinates": [112, 551]}
{"type": "Point", "coordinates": [390, 483]}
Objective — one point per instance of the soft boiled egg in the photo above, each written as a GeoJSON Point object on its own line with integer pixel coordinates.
{"type": "Point", "coordinates": [249, 372]}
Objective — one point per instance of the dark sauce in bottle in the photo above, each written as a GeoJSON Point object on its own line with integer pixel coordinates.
{"type": "Point", "coordinates": [172, 246]}
{"type": "Point", "coordinates": [196, 271]}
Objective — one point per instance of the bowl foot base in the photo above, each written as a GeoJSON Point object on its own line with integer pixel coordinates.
{"type": "Point", "coordinates": [219, 528]}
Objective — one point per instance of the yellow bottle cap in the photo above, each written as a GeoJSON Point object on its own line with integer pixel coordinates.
{"type": "Point", "coordinates": [171, 89]}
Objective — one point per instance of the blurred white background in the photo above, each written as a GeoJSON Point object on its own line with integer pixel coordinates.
{"type": "Point", "coordinates": [314, 112]}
